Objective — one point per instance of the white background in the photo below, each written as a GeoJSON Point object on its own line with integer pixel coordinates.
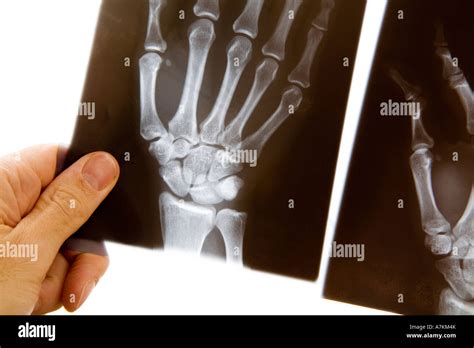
{"type": "Point", "coordinates": [45, 48]}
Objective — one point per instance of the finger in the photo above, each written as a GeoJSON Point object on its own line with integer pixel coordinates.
{"type": "Point", "coordinates": [51, 290]}
{"type": "Point", "coordinates": [66, 204]}
{"type": "Point", "coordinates": [22, 177]}
{"type": "Point", "coordinates": [85, 271]}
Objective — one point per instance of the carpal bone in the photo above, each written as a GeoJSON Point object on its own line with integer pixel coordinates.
{"type": "Point", "coordinates": [150, 123]}
{"type": "Point", "coordinates": [184, 124]}
{"type": "Point", "coordinates": [185, 225]}
{"type": "Point", "coordinates": [181, 148]}
{"type": "Point", "coordinates": [172, 174]}
{"type": "Point", "coordinates": [231, 224]}
{"type": "Point", "coordinates": [321, 22]}
{"type": "Point", "coordinates": [198, 163]}
{"type": "Point", "coordinates": [239, 53]}
{"type": "Point", "coordinates": [450, 304]}
{"type": "Point", "coordinates": [290, 102]}
{"type": "Point", "coordinates": [154, 39]}
{"type": "Point", "coordinates": [247, 23]}
{"type": "Point", "coordinates": [450, 267]}
{"type": "Point", "coordinates": [162, 150]}
{"type": "Point", "coordinates": [433, 221]}
{"type": "Point", "coordinates": [207, 8]}
{"type": "Point", "coordinates": [228, 188]}
{"type": "Point", "coordinates": [264, 76]}
{"type": "Point", "coordinates": [301, 74]}
{"type": "Point", "coordinates": [220, 168]}
{"type": "Point", "coordinates": [205, 194]}
{"type": "Point", "coordinates": [275, 47]}
{"type": "Point", "coordinates": [439, 244]}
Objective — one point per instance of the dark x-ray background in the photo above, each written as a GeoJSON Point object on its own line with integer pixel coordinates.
{"type": "Point", "coordinates": [297, 163]}
{"type": "Point", "coordinates": [396, 260]}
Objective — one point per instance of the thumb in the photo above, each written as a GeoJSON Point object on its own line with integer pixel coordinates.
{"type": "Point", "coordinates": [66, 204]}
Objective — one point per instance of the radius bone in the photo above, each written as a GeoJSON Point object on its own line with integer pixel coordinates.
{"type": "Point", "coordinates": [290, 102]}
{"type": "Point", "coordinates": [184, 124]}
{"type": "Point", "coordinates": [275, 47]}
{"type": "Point", "coordinates": [239, 53]}
{"type": "Point", "coordinates": [150, 123]}
{"type": "Point", "coordinates": [154, 39]}
{"type": "Point", "coordinates": [247, 23]}
{"type": "Point", "coordinates": [185, 225]}
{"type": "Point", "coordinates": [264, 76]}
{"type": "Point", "coordinates": [207, 8]}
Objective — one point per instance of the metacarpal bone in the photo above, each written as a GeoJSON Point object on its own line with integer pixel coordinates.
{"type": "Point", "coordinates": [172, 174]}
{"type": "Point", "coordinates": [433, 221]}
{"type": "Point", "coordinates": [247, 23]}
{"type": "Point", "coordinates": [207, 8]}
{"type": "Point", "coordinates": [231, 224]}
{"type": "Point", "coordinates": [150, 123]}
{"type": "Point", "coordinates": [185, 225]}
{"type": "Point", "coordinates": [264, 76]}
{"type": "Point", "coordinates": [154, 39]}
{"type": "Point", "coordinates": [290, 102]}
{"type": "Point", "coordinates": [183, 124]}
{"type": "Point", "coordinates": [276, 46]}
{"type": "Point", "coordinates": [239, 53]}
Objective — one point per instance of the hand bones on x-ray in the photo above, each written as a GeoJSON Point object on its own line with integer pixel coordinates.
{"type": "Point", "coordinates": [193, 163]}
{"type": "Point", "coordinates": [456, 244]}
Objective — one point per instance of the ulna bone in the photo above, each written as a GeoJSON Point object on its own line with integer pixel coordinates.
{"type": "Point", "coordinates": [275, 47]}
{"type": "Point", "coordinates": [151, 126]}
{"type": "Point", "coordinates": [465, 225]}
{"type": "Point", "coordinates": [239, 53]}
{"type": "Point", "coordinates": [183, 124]}
{"type": "Point", "coordinates": [291, 99]}
{"type": "Point", "coordinates": [154, 39]}
{"type": "Point", "coordinates": [247, 22]}
{"type": "Point", "coordinates": [207, 8]}
{"type": "Point", "coordinates": [185, 225]}
{"type": "Point", "coordinates": [468, 265]}
{"type": "Point", "coordinates": [264, 76]}
{"type": "Point", "coordinates": [231, 224]}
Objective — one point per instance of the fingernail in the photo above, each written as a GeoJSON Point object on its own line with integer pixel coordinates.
{"type": "Point", "coordinates": [100, 170]}
{"type": "Point", "coordinates": [86, 291]}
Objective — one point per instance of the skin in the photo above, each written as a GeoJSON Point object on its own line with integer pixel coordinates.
{"type": "Point", "coordinates": [35, 208]}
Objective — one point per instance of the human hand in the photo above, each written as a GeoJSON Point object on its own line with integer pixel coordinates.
{"type": "Point", "coordinates": [38, 212]}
